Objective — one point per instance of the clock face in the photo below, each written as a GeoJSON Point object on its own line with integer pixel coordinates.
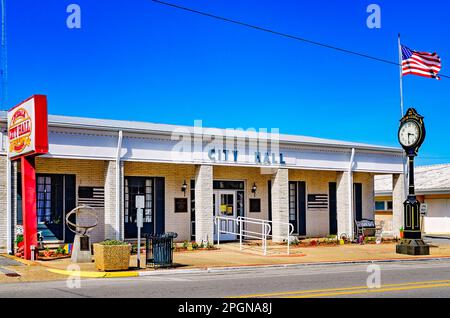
{"type": "Point", "coordinates": [409, 133]}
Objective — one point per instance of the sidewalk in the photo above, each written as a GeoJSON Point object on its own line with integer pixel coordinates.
{"type": "Point", "coordinates": [13, 270]}
{"type": "Point", "coordinates": [229, 256]}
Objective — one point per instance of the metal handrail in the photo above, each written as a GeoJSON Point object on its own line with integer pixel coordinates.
{"type": "Point", "coordinates": [271, 222]}
{"type": "Point", "coordinates": [266, 229]}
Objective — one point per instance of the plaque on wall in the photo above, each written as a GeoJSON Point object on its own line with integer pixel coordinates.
{"type": "Point", "coordinates": [181, 205]}
{"type": "Point", "coordinates": [255, 205]}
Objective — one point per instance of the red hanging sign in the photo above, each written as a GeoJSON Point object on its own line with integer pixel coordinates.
{"type": "Point", "coordinates": [27, 127]}
{"type": "Point", "coordinates": [28, 138]}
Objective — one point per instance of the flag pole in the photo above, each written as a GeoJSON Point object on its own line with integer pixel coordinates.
{"type": "Point", "coordinates": [405, 168]}
{"type": "Point", "coordinates": [400, 59]}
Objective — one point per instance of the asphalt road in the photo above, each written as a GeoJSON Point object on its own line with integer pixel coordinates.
{"type": "Point", "coordinates": [411, 279]}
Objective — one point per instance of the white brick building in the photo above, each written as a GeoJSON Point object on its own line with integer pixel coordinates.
{"type": "Point", "coordinates": [320, 186]}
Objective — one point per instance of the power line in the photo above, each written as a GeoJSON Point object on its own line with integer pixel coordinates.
{"type": "Point", "coordinates": [294, 37]}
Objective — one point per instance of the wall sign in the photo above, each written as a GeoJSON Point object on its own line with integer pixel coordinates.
{"type": "Point", "coordinates": [267, 158]}
{"type": "Point", "coordinates": [92, 196]}
{"type": "Point", "coordinates": [255, 205]}
{"type": "Point", "coordinates": [181, 205]}
{"type": "Point", "coordinates": [317, 201]}
{"type": "Point", "coordinates": [27, 127]}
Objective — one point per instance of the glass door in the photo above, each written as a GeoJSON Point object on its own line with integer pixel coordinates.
{"type": "Point", "coordinates": [225, 206]}
{"type": "Point", "coordinates": [49, 202]}
{"type": "Point", "coordinates": [138, 186]}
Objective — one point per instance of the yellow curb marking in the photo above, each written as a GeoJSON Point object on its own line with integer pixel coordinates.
{"type": "Point", "coordinates": [93, 274]}
{"type": "Point", "coordinates": [355, 289]}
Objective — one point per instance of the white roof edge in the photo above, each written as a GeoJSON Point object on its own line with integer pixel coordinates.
{"type": "Point", "coordinates": [381, 193]}
{"type": "Point", "coordinates": [147, 127]}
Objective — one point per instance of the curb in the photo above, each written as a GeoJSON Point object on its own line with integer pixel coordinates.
{"type": "Point", "coordinates": [164, 272]}
{"type": "Point", "coordinates": [93, 274]}
{"type": "Point", "coordinates": [20, 260]}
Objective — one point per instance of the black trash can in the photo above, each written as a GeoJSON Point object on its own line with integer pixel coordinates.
{"type": "Point", "coordinates": [159, 249]}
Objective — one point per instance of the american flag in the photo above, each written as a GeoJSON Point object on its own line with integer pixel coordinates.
{"type": "Point", "coordinates": [317, 201]}
{"type": "Point", "coordinates": [420, 63]}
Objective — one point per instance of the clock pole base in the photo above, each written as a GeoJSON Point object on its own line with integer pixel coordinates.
{"type": "Point", "coordinates": [413, 247]}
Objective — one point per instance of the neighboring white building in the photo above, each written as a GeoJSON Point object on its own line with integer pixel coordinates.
{"type": "Point", "coordinates": [432, 185]}
{"type": "Point", "coordinates": [318, 185]}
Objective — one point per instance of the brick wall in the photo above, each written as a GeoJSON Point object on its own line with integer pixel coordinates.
{"type": "Point", "coordinates": [204, 226]}
{"type": "Point", "coordinates": [88, 173]}
{"type": "Point", "coordinates": [342, 181]}
{"type": "Point", "coordinates": [368, 193]}
{"type": "Point", "coordinates": [174, 177]}
{"type": "Point", "coordinates": [249, 176]}
{"type": "Point", "coordinates": [102, 174]}
{"type": "Point", "coordinates": [398, 198]}
{"type": "Point", "coordinates": [280, 203]}
{"type": "Point", "coordinates": [317, 182]}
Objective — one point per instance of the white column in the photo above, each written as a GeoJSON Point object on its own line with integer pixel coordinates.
{"type": "Point", "coordinates": [398, 198]}
{"type": "Point", "coordinates": [344, 204]}
{"type": "Point", "coordinates": [118, 187]}
{"type": "Point", "coordinates": [112, 215]}
{"type": "Point", "coordinates": [280, 204]}
{"type": "Point", "coordinates": [204, 214]}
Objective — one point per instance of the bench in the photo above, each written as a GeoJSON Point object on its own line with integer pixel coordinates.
{"type": "Point", "coordinates": [365, 228]}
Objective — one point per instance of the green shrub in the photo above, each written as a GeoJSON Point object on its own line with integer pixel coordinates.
{"type": "Point", "coordinates": [185, 244]}
{"type": "Point", "coordinates": [113, 242]}
{"type": "Point", "coordinates": [19, 239]}
{"type": "Point", "coordinates": [369, 239]}
{"type": "Point", "coordinates": [61, 250]}
{"type": "Point", "coordinates": [194, 245]}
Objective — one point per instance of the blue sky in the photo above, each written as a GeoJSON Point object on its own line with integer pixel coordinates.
{"type": "Point", "coordinates": [144, 61]}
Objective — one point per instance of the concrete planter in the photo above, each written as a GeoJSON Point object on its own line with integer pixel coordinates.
{"type": "Point", "coordinates": [112, 257]}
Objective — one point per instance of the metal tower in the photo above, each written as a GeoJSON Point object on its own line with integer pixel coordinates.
{"type": "Point", "coordinates": [3, 58]}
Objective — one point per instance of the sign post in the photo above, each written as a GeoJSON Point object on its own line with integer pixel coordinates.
{"type": "Point", "coordinates": [28, 138]}
{"type": "Point", "coordinates": [140, 205]}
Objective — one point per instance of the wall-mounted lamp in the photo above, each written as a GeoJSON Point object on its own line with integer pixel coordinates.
{"type": "Point", "coordinates": [184, 187]}
{"type": "Point", "coordinates": [254, 189]}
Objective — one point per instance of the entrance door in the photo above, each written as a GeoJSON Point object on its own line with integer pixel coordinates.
{"type": "Point", "coordinates": [138, 186]}
{"type": "Point", "coordinates": [225, 206]}
{"type": "Point", "coordinates": [297, 206]}
{"type": "Point", "coordinates": [332, 197]}
{"type": "Point", "coordinates": [49, 200]}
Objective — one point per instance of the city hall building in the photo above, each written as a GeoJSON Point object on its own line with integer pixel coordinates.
{"type": "Point", "coordinates": [188, 175]}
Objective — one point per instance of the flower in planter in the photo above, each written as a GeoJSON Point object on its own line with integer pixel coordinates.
{"type": "Point", "coordinates": [47, 252]}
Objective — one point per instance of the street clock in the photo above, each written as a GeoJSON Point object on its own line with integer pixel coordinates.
{"type": "Point", "coordinates": [411, 135]}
